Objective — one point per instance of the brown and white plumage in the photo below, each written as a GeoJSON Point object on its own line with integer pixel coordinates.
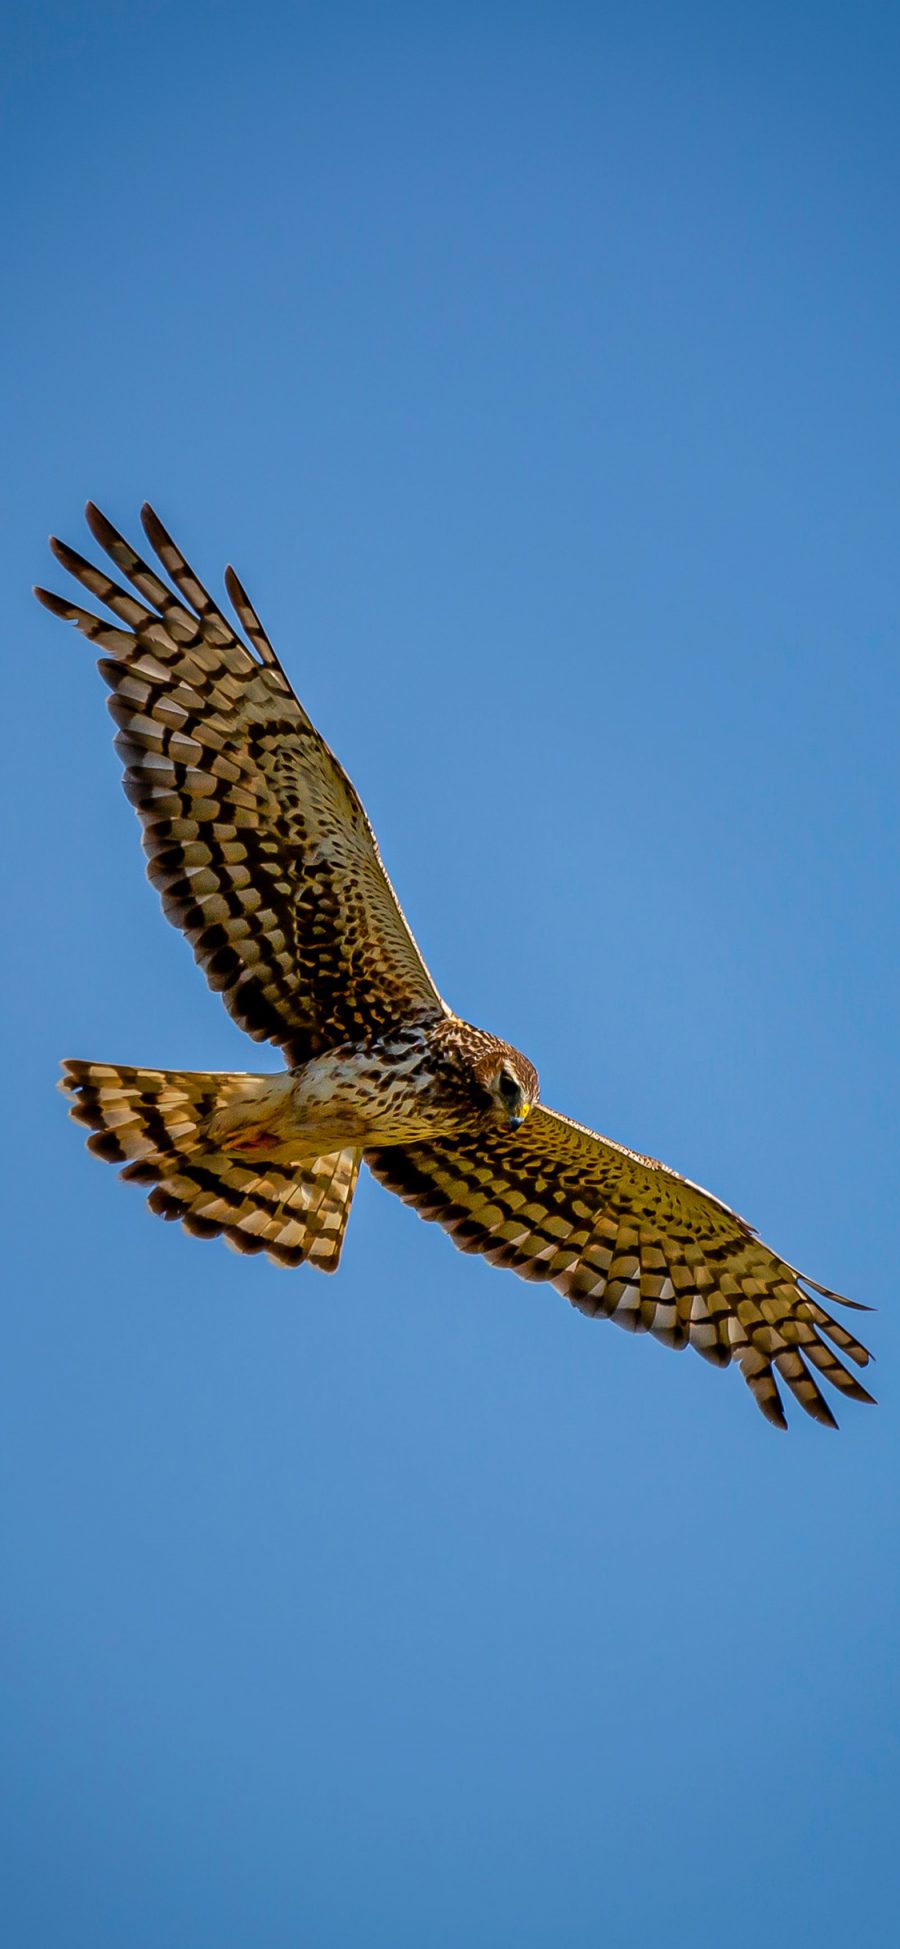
{"type": "Point", "coordinates": [626, 1239]}
{"type": "Point", "coordinates": [256, 839]}
{"type": "Point", "coordinates": [264, 857]}
{"type": "Point", "coordinates": [158, 1124]}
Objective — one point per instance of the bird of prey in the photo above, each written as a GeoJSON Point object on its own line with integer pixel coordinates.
{"type": "Point", "coordinates": [262, 854]}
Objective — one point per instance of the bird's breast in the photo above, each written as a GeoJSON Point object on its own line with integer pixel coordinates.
{"type": "Point", "coordinates": [391, 1091]}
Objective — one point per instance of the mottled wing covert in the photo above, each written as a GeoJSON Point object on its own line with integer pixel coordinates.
{"type": "Point", "coordinates": [256, 839]}
{"type": "Point", "coordinates": [624, 1238]}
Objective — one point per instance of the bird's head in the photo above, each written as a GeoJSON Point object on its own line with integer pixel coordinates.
{"type": "Point", "coordinates": [513, 1087]}
{"type": "Point", "coordinates": [485, 1075]}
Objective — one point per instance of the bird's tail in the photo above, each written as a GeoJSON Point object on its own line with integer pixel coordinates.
{"type": "Point", "coordinates": [200, 1140]}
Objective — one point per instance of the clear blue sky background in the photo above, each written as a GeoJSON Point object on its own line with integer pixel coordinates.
{"type": "Point", "coordinates": [537, 367]}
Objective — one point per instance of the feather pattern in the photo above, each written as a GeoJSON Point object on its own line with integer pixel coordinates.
{"type": "Point", "coordinates": [626, 1239]}
{"type": "Point", "coordinates": [156, 1124]}
{"type": "Point", "coordinates": [264, 857]}
{"type": "Point", "coordinates": [257, 842]}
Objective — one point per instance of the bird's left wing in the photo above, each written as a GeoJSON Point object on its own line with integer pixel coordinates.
{"type": "Point", "coordinates": [627, 1239]}
{"type": "Point", "coordinates": [257, 842]}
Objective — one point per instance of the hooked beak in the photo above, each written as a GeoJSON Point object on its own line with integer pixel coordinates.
{"type": "Point", "coordinates": [515, 1123]}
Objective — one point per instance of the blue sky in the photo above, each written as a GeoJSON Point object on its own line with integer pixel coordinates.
{"type": "Point", "coordinates": [537, 368]}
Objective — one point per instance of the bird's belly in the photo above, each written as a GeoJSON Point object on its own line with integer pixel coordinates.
{"type": "Point", "coordinates": [337, 1100]}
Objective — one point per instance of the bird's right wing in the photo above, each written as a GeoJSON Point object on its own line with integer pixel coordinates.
{"type": "Point", "coordinates": [627, 1239]}
{"type": "Point", "coordinates": [257, 841]}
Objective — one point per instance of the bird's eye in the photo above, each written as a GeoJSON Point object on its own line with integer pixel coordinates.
{"type": "Point", "coordinates": [508, 1087]}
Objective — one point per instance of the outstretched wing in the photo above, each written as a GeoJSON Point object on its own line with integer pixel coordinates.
{"type": "Point", "coordinates": [256, 839]}
{"type": "Point", "coordinates": [624, 1238]}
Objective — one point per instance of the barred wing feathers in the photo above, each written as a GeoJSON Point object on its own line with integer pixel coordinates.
{"type": "Point", "coordinates": [625, 1238]}
{"type": "Point", "coordinates": [256, 839]}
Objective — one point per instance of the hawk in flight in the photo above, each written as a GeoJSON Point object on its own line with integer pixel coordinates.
{"type": "Point", "coordinates": [263, 856]}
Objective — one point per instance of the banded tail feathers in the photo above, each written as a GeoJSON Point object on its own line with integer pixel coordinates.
{"type": "Point", "coordinates": [199, 1140]}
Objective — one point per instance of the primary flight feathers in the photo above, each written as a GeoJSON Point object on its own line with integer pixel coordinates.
{"type": "Point", "coordinates": [264, 857]}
